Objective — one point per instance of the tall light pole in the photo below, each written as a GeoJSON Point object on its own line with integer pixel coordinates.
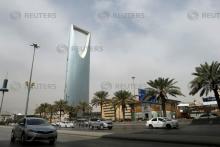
{"type": "Point", "coordinates": [133, 111]}
{"type": "Point", "coordinates": [30, 84]}
{"type": "Point", "coordinates": [133, 78]}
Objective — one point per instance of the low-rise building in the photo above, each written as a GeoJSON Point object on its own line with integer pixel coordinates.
{"type": "Point", "coordinates": [142, 110]}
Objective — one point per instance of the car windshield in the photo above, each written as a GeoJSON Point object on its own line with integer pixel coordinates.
{"type": "Point", "coordinates": [36, 122]}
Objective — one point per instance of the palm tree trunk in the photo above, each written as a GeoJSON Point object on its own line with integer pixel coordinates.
{"type": "Point", "coordinates": [101, 108]}
{"type": "Point", "coordinates": [60, 115]}
{"type": "Point", "coordinates": [115, 113]}
{"type": "Point", "coordinates": [123, 112]}
{"type": "Point", "coordinates": [217, 97]}
{"type": "Point", "coordinates": [51, 115]}
{"type": "Point", "coordinates": [164, 107]}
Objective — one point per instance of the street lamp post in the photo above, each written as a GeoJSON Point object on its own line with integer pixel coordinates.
{"type": "Point", "coordinates": [133, 113]}
{"type": "Point", "coordinates": [29, 85]}
{"type": "Point", "coordinates": [133, 78]}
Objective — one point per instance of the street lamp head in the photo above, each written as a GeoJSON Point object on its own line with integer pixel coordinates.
{"type": "Point", "coordinates": [133, 77]}
{"type": "Point", "coordinates": [35, 45]}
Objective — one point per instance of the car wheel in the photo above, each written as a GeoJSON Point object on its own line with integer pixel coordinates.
{"type": "Point", "coordinates": [52, 142]}
{"type": "Point", "coordinates": [168, 126]}
{"type": "Point", "coordinates": [109, 128]}
{"type": "Point", "coordinates": [23, 138]}
{"type": "Point", "coordinates": [151, 126]}
{"type": "Point", "coordinates": [13, 137]}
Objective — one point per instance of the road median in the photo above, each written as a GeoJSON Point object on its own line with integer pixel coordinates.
{"type": "Point", "coordinates": [179, 139]}
{"type": "Point", "coordinates": [84, 133]}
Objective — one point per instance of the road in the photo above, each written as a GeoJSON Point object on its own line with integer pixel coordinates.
{"type": "Point", "coordinates": [84, 141]}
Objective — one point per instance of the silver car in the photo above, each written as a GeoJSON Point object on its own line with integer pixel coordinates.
{"type": "Point", "coordinates": [33, 129]}
{"type": "Point", "coordinates": [100, 123]}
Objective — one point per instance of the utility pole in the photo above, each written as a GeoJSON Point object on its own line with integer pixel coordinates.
{"type": "Point", "coordinates": [133, 113]}
{"type": "Point", "coordinates": [3, 89]}
{"type": "Point", "coordinates": [29, 84]}
{"type": "Point", "coordinates": [133, 78]}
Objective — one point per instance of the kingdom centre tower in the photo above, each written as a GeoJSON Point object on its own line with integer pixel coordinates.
{"type": "Point", "coordinates": [78, 67]}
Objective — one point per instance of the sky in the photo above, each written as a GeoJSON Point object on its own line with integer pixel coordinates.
{"type": "Point", "coordinates": [146, 39]}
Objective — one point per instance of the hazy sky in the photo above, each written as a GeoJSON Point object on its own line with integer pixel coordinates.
{"type": "Point", "coordinates": [141, 38]}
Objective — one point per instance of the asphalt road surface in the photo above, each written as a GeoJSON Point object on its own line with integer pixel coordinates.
{"type": "Point", "coordinates": [83, 141]}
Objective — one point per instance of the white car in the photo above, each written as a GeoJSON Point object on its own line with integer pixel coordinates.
{"type": "Point", "coordinates": [162, 122]}
{"type": "Point", "coordinates": [207, 116]}
{"type": "Point", "coordinates": [65, 124]}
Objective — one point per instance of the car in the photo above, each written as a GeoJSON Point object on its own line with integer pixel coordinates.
{"type": "Point", "coordinates": [82, 122]}
{"type": "Point", "coordinates": [162, 122]}
{"type": "Point", "coordinates": [100, 123]}
{"type": "Point", "coordinates": [69, 124]}
{"type": "Point", "coordinates": [65, 124]}
{"type": "Point", "coordinates": [33, 129]}
{"type": "Point", "coordinates": [207, 116]}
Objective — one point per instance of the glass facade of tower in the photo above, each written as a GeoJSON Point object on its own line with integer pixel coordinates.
{"type": "Point", "coordinates": [77, 69]}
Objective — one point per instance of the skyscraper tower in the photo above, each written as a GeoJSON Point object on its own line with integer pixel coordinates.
{"type": "Point", "coordinates": [78, 67]}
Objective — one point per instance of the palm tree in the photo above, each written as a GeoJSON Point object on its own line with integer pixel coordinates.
{"type": "Point", "coordinates": [39, 110]}
{"type": "Point", "coordinates": [99, 99]}
{"type": "Point", "coordinates": [84, 107]}
{"type": "Point", "coordinates": [51, 110]}
{"type": "Point", "coordinates": [207, 79]}
{"type": "Point", "coordinates": [60, 106]}
{"type": "Point", "coordinates": [42, 109]}
{"type": "Point", "coordinates": [115, 105]}
{"type": "Point", "coordinates": [72, 112]}
{"type": "Point", "coordinates": [123, 98]}
{"type": "Point", "coordinates": [161, 88]}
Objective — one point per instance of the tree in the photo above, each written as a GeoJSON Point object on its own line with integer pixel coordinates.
{"type": "Point", "coordinates": [84, 107]}
{"type": "Point", "coordinates": [161, 88]}
{"type": "Point", "coordinates": [115, 105]}
{"type": "Point", "coordinates": [51, 110]}
{"type": "Point", "coordinates": [207, 79]}
{"type": "Point", "coordinates": [123, 98]}
{"type": "Point", "coordinates": [60, 106]}
{"type": "Point", "coordinates": [39, 111]}
{"type": "Point", "coordinates": [99, 99]}
{"type": "Point", "coordinates": [42, 109]}
{"type": "Point", "coordinates": [72, 112]}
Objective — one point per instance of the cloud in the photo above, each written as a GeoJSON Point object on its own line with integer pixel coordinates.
{"type": "Point", "coordinates": [145, 39]}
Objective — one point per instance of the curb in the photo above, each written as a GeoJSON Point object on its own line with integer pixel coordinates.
{"type": "Point", "coordinates": [84, 133]}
